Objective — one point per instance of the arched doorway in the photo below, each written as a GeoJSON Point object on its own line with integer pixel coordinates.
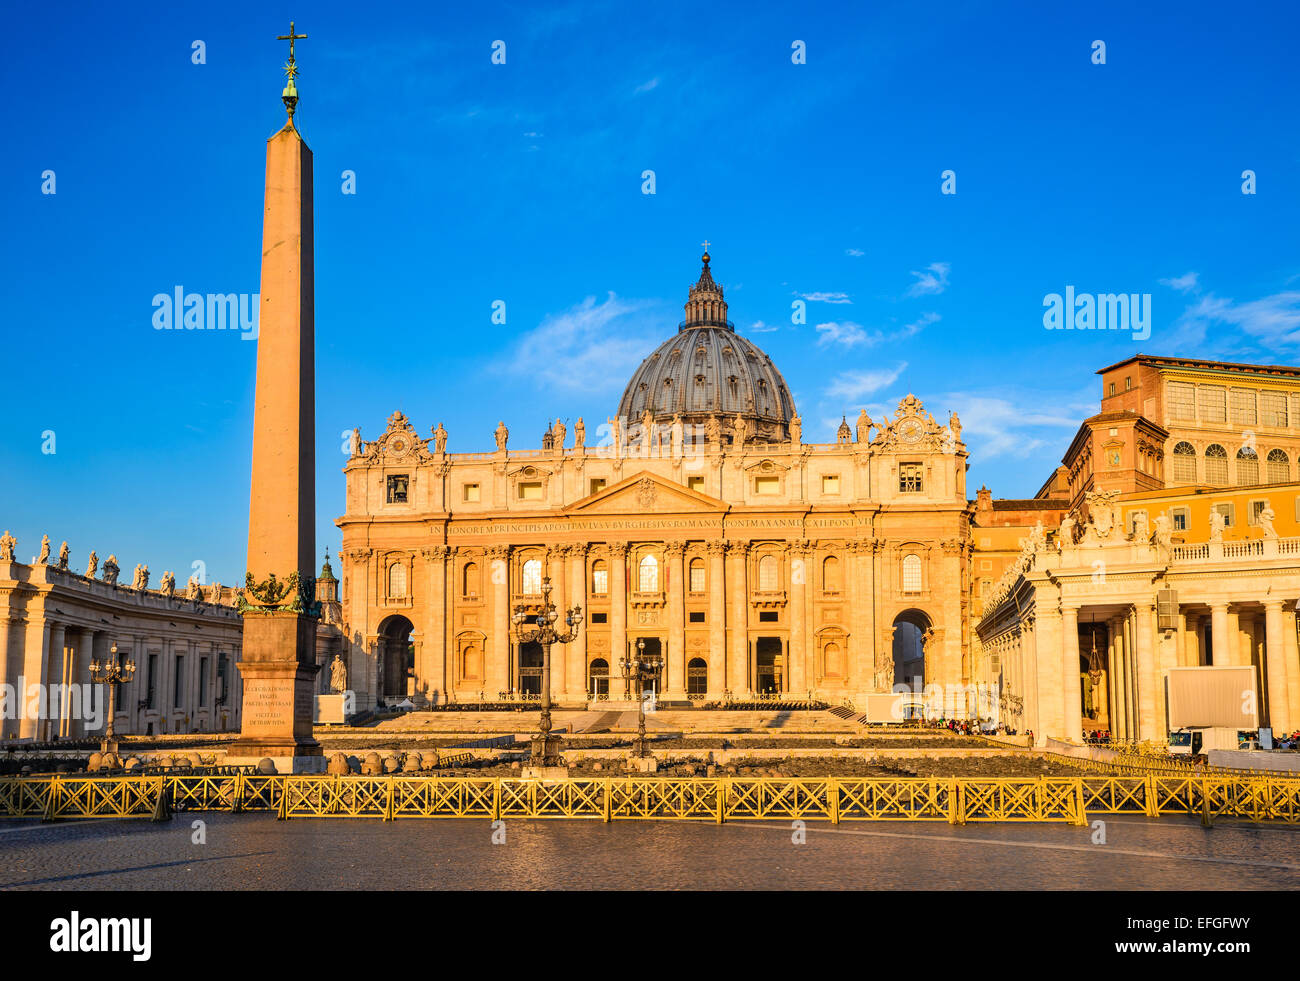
{"type": "Point", "coordinates": [396, 658]}
{"type": "Point", "coordinates": [697, 678]}
{"type": "Point", "coordinates": [769, 665]}
{"type": "Point", "coordinates": [598, 678]}
{"type": "Point", "coordinates": [909, 649]}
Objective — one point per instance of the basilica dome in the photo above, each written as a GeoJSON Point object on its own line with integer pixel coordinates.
{"type": "Point", "coordinates": [708, 370]}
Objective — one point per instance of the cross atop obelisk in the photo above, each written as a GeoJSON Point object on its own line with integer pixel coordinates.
{"type": "Point", "coordinates": [290, 94]}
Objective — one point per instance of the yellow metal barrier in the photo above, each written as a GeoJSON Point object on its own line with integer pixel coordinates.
{"type": "Point", "coordinates": [955, 800]}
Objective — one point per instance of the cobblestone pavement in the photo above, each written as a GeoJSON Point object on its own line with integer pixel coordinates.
{"type": "Point", "coordinates": [258, 852]}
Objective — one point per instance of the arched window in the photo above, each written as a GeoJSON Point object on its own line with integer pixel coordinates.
{"type": "Point", "coordinates": [397, 580]}
{"type": "Point", "coordinates": [532, 584]}
{"type": "Point", "coordinates": [648, 574]}
{"type": "Point", "coordinates": [1279, 467]}
{"type": "Point", "coordinates": [599, 578]}
{"type": "Point", "coordinates": [1184, 463]}
{"type": "Point", "coordinates": [470, 580]}
{"type": "Point", "coordinates": [697, 576]}
{"type": "Point", "coordinates": [697, 677]}
{"type": "Point", "coordinates": [831, 575]}
{"type": "Point", "coordinates": [1216, 465]}
{"type": "Point", "coordinates": [911, 573]}
{"type": "Point", "coordinates": [767, 573]}
{"type": "Point", "coordinates": [1247, 467]}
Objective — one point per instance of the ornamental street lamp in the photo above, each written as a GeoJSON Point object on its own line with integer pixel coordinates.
{"type": "Point", "coordinates": [640, 669]}
{"type": "Point", "coordinates": [539, 628]}
{"type": "Point", "coordinates": [112, 673]}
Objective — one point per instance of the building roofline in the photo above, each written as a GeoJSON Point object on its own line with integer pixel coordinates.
{"type": "Point", "coordinates": [1168, 362]}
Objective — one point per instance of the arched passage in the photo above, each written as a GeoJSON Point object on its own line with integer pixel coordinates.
{"type": "Point", "coordinates": [396, 658]}
{"type": "Point", "coordinates": [909, 653]}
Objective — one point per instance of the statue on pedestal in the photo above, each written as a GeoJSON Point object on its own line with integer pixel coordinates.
{"type": "Point", "coordinates": [503, 436]}
{"type": "Point", "coordinates": [167, 584]}
{"type": "Point", "coordinates": [579, 434]}
{"type": "Point", "coordinates": [92, 564]}
{"type": "Point", "coordinates": [338, 675]}
{"type": "Point", "coordinates": [796, 430]}
{"type": "Point", "coordinates": [45, 551]}
{"type": "Point", "coordinates": [864, 427]}
{"type": "Point", "coordinates": [7, 543]}
{"type": "Point", "coordinates": [440, 439]}
{"type": "Point", "coordinates": [1217, 524]}
{"type": "Point", "coordinates": [111, 570]}
{"type": "Point", "coordinates": [63, 556]}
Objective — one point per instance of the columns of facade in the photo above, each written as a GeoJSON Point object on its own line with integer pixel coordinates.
{"type": "Point", "coordinates": [1291, 650]}
{"type": "Point", "coordinates": [498, 662]}
{"type": "Point", "coordinates": [799, 572]}
{"type": "Point", "coordinates": [675, 679]}
{"type": "Point", "coordinates": [860, 653]}
{"type": "Point", "coordinates": [1148, 722]}
{"type": "Point", "coordinates": [738, 589]}
{"type": "Point", "coordinates": [718, 585]}
{"type": "Point", "coordinates": [1073, 690]}
{"type": "Point", "coordinates": [575, 678]}
{"type": "Point", "coordinates": [433, 675]}
{"type": "Point", "coordinates": [1032, 719]}
{"type": "Point", "coordinates": [1276, 667]}
{"type": "Point", "coordinates": [617, 618]}
{"type": "Point", "coordinates": [36, 644]}
{"type": "Point", "coordinates": [1048, 642]}
{"type": "Point", "coordinates": [1130, 679]}
{"type": "Point", "coordinates": [1115, 676]}
{"type": "Point", "coordinates": [557, 558]}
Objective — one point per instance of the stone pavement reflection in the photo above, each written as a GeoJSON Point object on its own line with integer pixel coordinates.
{"type": "Point", "coordinates": [257, 852]}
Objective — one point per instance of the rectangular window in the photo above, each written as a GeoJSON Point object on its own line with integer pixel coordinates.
{"type": "Point", "coordinates": [153, 679]}
{"type": "Point", "coordinates": [530, 490]}
{"type": "Point", "coordinates": [1243, 407]}
{"type": "Point", "coordinates": [909, 478]}
{"type": "Point", "coordinates": [767, 486]}
{"type": "Point", "coordinates": [178, 689]}
{"type": "Point", "coordinates": [398, 483]}
{"type": "Point", "coordinates": [600, 618]}
{"type": "Point", "coordinates": [1181, 518]}
{"type": "Point", "coordinates": [1256, 508]}
{"type": "Point", "coordinates": [600, 581]}
{"type": "Point", "coordinates": [597, 485]}
{"type": "Point", "coordinates": [1228, 510]}
{"type": "Point", "coordinates": [697, 616]}
{"type": "Point", "coordinates": [203, 682]}
{"type": "Point", "coordinates": [1111, 393]}
{"type": "Point", "coordinates": [1182, 401]}
{"type": "Point", "coordinates": [767, 616]}
{"type": "Point", "coordinates": [471, 495]}
{"type": "Point", "coordinates": [830, 484]}
{"type": "Point", "coordinates": [696, 484]}
{"type": "Point", "coordinates": [1128, 383]}
{"type": "Point", "coordinates": [1272, 409]}
{"type": "Point", "coordinates": [1213, 401]}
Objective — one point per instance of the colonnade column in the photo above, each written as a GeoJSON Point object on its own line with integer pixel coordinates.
{"type": "Point", "coordinates": [1276, 667]}
{"type": "Point", "coordinates": [1291, 650]}
{"type": "Point", "coordinates": [717, 680]}
{"type": "Point", "coordinates": [799, 573]}
{"type": "Point", "coordinates": [1032, 718]}
{"type": "Point", "coordinates": [738, 587]}
{"type": "Point", "coordinates": [1148, 718]}
{"type": "Point", "coordinates": [675, 677]}
{"type": "Point", "coordinates": [617, 616]}
{"type": "Point", "coordinates": [1073, 691]}
{"type": "Point", "coordinates": [498, 661]}
{"type": "Point", "coordinates": [1051, 682]}
{"type": "Point", "coordinates": [1219, 649]}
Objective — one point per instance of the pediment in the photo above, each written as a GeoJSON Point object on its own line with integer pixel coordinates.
{"type": "Point", "coordinates": [646, 493]}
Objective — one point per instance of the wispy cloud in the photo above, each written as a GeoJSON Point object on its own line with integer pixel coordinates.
{"type": "Point", "coordinates": [854, 386]}
{"type": "Point", "coordinates": [846, 333]}
{"type": "Point", "coordinates": [591, 346]}
{"type": "Point", "coordinates": [932, 281]}
{"type": "Point", "coordinates": [1186, 283]}
{"type": "Point", "coordinates": [825, 297]}
{"type": "Point", "coordinates": [647, 86]}
{"type": "Point", "coordinates": [996, 426]}
{"type": "Point", "coordinates": [758, 327]}
{"type": "Point", "coordinates": [856, 253]}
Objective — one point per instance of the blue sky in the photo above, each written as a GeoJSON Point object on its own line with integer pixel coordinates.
{"type": "Point", "coordinates": [522, 182]}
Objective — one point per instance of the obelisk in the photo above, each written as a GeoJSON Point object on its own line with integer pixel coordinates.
{"type": "Point", "coordinates": [279, 605]}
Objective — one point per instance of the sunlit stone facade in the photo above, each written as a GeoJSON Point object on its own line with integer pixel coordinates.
{"type": "Point", "coordinates": [753, 562]}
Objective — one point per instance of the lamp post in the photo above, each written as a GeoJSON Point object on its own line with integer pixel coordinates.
{"type": "Point", "coordinates": [112, 673]}
{"type": "Point", "coordinates": [641, 668]}
{"type": "Point", "coordinates": [546, 747]}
